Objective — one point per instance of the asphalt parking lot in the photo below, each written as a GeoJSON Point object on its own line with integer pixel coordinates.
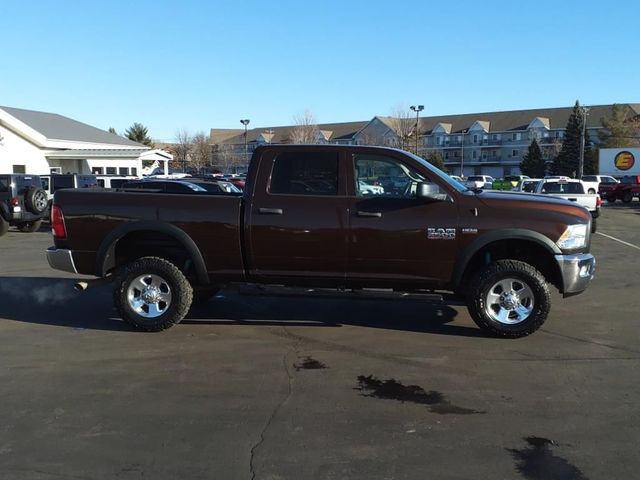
{"type": "Point", "coordinates": [274, 387]}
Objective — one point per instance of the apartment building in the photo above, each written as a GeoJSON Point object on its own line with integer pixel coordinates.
{"type": "Point", "coordinates": [489, 143]}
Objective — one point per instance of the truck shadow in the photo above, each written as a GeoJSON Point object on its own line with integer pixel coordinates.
{"type": "Point", "coordinates": [53, 301]}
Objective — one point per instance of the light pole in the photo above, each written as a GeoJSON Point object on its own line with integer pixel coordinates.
{"type": "Point", "coordinates": [245, 122]}
{"type": "Point", "coordinates": [462, 154]}
{"type": "Point", "coordinates": [585, 112]}
{"type": "Point", "coordinates": [417, 109]}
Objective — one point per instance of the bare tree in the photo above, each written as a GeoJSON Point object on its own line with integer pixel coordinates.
{"type": "Point", "coordinates": [403, 124]}
{"type": "Point", "coordinates": [182, 148]}
{"type": "Point", "coordinates": [306, 129]}
{"type": "Point", "coordinates": [200, 151]}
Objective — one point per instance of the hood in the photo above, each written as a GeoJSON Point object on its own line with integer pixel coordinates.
{"type": "Point", "coordinates": [521, 200]}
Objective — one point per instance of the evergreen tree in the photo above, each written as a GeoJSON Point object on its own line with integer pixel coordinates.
{"type": "Point", "coordinates": [567, 161]}
{"type": "Point", "coordinates": [112, 130]}
{"type": "Point", "coordinates": [139, 133]}
{"type": "Point", "coordinates": [532, 163]}
{"type": "Point", "coordinates": [435, 159]}
{"type": "Point", "coordinates": [590, 156]}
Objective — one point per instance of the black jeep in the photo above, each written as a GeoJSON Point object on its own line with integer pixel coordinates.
{"type": "Point", "coordinates": [23, 202]}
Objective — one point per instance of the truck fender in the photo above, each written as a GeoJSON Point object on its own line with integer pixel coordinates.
{"type": "Point", "coordinates": [506, 234]}
{"type": "Point", "coordinates": [105, 258]}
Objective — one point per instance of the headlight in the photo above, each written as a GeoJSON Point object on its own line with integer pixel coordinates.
{"type": "Point", "coordinates": [575, 236]}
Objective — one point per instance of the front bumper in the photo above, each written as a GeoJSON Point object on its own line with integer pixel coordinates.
{"type": "Point", "coordinates": [577, 271]}
{"type": "Point", "coordinates": [61, 259]}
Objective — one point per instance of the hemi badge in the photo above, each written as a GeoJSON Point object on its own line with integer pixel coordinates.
{"type": "Point", "coordinates": [471, 231]}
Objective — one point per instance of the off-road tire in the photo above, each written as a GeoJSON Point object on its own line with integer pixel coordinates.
{"type": "Point", "coordinates": [30, 227]}
{"type": "Point", "coordinates": [181, 293]}
{"type": "Point", "coordinates": [35, 200]}
{"type": "Point", "coordinates": [627, 197]}
{"type": "Point", "coordinates": [488, 277]}
{"type": "Point", "coordinates": [4, 226]}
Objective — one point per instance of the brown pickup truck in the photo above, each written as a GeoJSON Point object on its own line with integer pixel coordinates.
{"type": "Point", "coordinates": [319, 217]}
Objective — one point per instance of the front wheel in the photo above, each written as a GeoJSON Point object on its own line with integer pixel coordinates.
{"type": "Point", "coordinates": [509, 298]}
{"type": "Point", "coordinates": [152, 294]}
{"type": "Point", "coordinates": [627, 197]}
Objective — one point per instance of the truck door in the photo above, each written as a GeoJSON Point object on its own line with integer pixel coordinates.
{"type": "Point", "coordinates": [297, 217]}
{"type": "Point", "coordinates": [394, 237]}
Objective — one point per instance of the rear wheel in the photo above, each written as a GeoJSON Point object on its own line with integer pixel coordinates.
{"type": "Point", "coordinates": [152, 294]}
{"type": "Point", "coordinates": [30, 227]}
{"type": "Point", "coordinates": [627, 197]}
{"type": "Point", "coordinates": [509, 298]}
{"type": "Point", "coordinates": [591, 191]}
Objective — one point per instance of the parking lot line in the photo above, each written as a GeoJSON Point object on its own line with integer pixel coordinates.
{"type": "Point", "coordinates": [618, 240]}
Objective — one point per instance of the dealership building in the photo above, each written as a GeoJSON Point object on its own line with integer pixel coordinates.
{"type": "Point", "coordinates": [43, 143]}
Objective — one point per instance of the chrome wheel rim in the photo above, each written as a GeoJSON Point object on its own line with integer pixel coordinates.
{"type": "Point", "coordinates": [149, 295]}
{"type": "Point", "coordinates": [509, 301]}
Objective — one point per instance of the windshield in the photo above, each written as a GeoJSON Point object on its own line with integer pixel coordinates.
{"type": "Point", "coordinates": [439, 173]}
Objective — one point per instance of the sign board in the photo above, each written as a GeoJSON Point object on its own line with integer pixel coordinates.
{"type": "Point", "coordinates": [619, 161]}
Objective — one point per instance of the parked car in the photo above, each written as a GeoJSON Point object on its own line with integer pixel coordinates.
{"type": "Point", "coordinates": [114, 181]}
{"type": "Point", "coordinates": [23, 202]}
{"type": "Point", "coordinates": [528, 185]}
{"type": "Point", "coordinates": [572, 190]}
{"type": "Point", "coordinates": [457, 178]}
{"type": "Point", "coordinates": [160, 250]}
{"type": "Point", "coordinates": [592, 182]}
{"type": "Point", "coordinates": [216, 186]}
{"type": "Point", "coordinates": [626, 190]}
{"type": "Point", "coordinates": [53, 182]}
{"type": "Point", "coordinates": [476, 182]}
{"type": "Point", "coordinates": [508, 182]}
{"type": "Point", "coordinates": [165, 186]}
{"type": "Point", "coordinates": [367, 189]}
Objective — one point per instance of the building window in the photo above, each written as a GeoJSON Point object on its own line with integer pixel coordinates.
{"type": "Point", "coordinates": [455, 154]}
{"type": "Point", "coordinates": [518, 136]}
{"type": "Point", "coordinates": [495, 136]}
{"type": "Point", "coordinates": [97, 170]}
{"type": "Point", "coordinates": [19, 169]}
{"type": "Point", "coordinates": [474, 154]}
{"type": "Point", "coordinates": [446, 155]}
{"type": "Point", "coordinates": [475, 139]}
{"type": "Point", "coordinates": [123, 171]}
{"type": "Point", "coordinates": [459, 138]}
{"type": "Point", "coordinates": [134, 171]}
{"type": "Point", "coordinates": [494, 154]}
{"type": "Point", "coordinates": [515, 153]}
{"type": "Point", "coordinates": [111, 170]}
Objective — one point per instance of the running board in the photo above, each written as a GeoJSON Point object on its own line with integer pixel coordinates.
{"type": "Point", "coordinates": [368, 293]}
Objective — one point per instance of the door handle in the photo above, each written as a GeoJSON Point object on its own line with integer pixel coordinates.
{"type": "Point", "coordinates": [572, 199]}
{"type": "Point", "coordinates": [369, 214]}
{"type": "Point", "coordinates": [271, 211]}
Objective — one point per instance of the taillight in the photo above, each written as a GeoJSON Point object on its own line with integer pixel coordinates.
{"type": "Point", "coordinates": [57, 223]}
{"type": "Point", "coordinates": [598, 201]}
{"type": "Point", "coordinates": [15, 202]}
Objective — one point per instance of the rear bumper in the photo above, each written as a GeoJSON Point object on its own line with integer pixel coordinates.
{"type": "Point", "coordinates": [61, 259]}
{"type": "Point", "coordinates": [577, 272]}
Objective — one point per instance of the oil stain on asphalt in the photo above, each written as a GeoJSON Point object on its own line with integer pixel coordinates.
{"type": "Point", "coordinates": [394, 390]}
{"type": "Point", "coordinates": [537, 462]}
{"type": "Point", "coordinates": [309, 364]}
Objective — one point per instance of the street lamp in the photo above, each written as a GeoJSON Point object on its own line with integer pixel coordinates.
{"type": "Point", "coordinates": [245, 122]}
{"type": "Point", "coordinates": [462, 153]}
{"type": "Point", "coordinates": [585, 112]}
{"type": "Point", "coordinates": [417, 109]}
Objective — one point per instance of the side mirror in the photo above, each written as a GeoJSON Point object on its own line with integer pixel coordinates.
{"type": "Point", "coordinates": [429, 191]}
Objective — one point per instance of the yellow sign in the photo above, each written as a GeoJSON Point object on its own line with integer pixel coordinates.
{"type": "Point", "coordinates": [624, 160]}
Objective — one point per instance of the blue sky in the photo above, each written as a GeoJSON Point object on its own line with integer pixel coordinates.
{"type": "Point", "coordinates": [199, 65]}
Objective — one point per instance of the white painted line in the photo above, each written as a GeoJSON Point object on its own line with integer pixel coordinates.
{"type": "Point", "coordinates": [618, 240]}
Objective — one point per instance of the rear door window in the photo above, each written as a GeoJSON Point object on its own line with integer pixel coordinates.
{"type": "Point", "coordinates": [309, 173]}
{"type": "Point", "coordinates": [61, 181]}
{"type": "Point", "coordinates": [4, 184]}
